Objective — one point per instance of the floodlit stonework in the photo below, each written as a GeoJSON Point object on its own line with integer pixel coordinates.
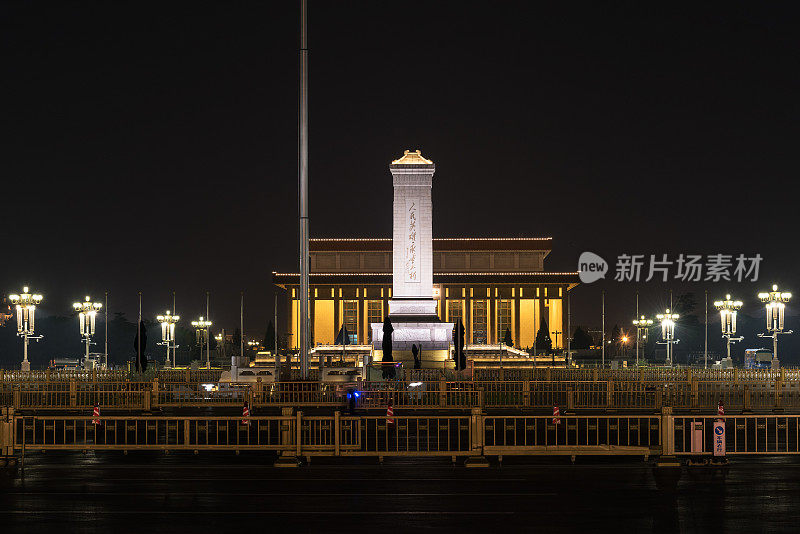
{"type": "Point", "coordinates": [412, 308]}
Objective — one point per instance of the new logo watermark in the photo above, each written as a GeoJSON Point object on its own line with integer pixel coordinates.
{"type": "Point", "coordinates": [591, 267]}
{"type": "Point", "coordinates": [662, 267]}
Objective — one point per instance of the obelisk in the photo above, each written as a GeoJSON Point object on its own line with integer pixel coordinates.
{"type": "Point", "coordinates": [412, 239]}
{"type": "Point", "coordinates": [412, 308]}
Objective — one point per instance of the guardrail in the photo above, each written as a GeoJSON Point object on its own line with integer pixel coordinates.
{"type": "Point", "coordinates": [460, 395]}
{"type": "Point", "coordinates": [744, 434]}
{"type": "Point", "coordinates": [476, 434]}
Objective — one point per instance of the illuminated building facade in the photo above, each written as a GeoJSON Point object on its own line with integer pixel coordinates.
{"type": "Point", "coordinates": [491, 284]}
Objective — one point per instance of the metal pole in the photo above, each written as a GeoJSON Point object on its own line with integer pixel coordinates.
{"type": "Point", "coordinates": [303, 193]}
{"type": "Point", "coordinates": [535, 327]}
{"type": "Point", "coordinates": [275, 342]}
{"type": "Point", "coordinates": [774, 345]}
{"type": "Point", "coordinates": [139, 333]}
{"type": "Point", "coordinates": [671, 333]}
{"type": "Point", "coordinates": [106, 340]}
{"type": "Point", "coordinates": [637, 329]}
{"type": "Point", "coordinates": [208, 334]}
{"type": "Point", "coordinates": [174, 348]}
{"type": "Point", "coordinates": [241, 329]}
{"type": "Point", "coordinates": [603, 329]}
{"type": "Point", "coordinates": [25, 349]}
{"type": "Point", "coordinates": [705, 349]}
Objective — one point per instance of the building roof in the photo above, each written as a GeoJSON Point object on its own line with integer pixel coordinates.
{"type": "Point", "coordinates": [412, 157]}
{"type": "Point", "coordinates": [440, 244]}
{"type": "Point", "coordinates": [569, 278]}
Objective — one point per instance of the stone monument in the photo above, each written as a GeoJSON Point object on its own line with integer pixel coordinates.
{"type": "Point", "coordinates": [412, 308]}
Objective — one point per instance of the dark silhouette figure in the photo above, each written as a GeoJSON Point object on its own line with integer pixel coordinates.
{"type": "Point", "coordinates": [417, 361]}
{"type": "Point", "coordinates": [387, 364]}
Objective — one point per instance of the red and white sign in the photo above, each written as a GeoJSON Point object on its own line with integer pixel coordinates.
{"type": "Point", "coordinates": [719, 438]}
{"type": "Point", "coordinates": [96, 414]}
{"type": "Point", "coordinates": [246, 415]}
{"type": "Point", "coordinates": [720, 409]}
{"type": "Point", "coordinates": [389, 414]}
{"type": "Point", "coordinates": [556, 416]}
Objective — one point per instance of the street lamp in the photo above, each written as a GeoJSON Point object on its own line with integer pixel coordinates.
{"type": "Point", "coordinates": [87, 313]}
{"type": "Point", "coordinates": [168, 333]}
{"type": "Point", "coordinates": [775, 310]}
{"type": "Point", "coordinates": [728, 310]}
{"type": "Point", "coordinates": [642, 325]}
{"type": "Point", "coordinates": [25, 305]}
{"type": "Point", "coordinates": [221, 344]}
{"type": "Point", "coordinates": [668, 332]}
{"type": "Point", "coordinates": [201, 327]}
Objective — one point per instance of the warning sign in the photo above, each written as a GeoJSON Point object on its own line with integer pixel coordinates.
{"type": "Point", "coordinates": [719, 438]}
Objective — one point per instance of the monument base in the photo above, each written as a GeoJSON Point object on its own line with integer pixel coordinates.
{"type": "Point", "coordinates": [409, 331]}
{"type": "Point", "coordinates": [26, 366]}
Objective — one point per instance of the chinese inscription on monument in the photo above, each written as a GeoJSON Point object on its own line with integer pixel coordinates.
{"type": "Point", "coordinates": [411, 244]}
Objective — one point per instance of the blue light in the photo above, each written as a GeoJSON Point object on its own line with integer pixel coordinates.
{"type": "Point", "coordinates": [349, 396]}
{"type": "Point", "coordinates": [358, 394]}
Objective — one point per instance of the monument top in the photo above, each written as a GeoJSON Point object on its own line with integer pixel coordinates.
{"type": "Point", "coordinates": [412, 157]}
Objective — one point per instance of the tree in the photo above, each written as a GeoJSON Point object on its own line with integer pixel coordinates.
{"type": "Point", "coordinates": [615, 334]}
{"type": "Point", "coordinates": [269, 337]}
{"type": "Point", "coordinates": [581, 340]}
{"type": "Point", "coordinates": [543, 340]}
{"type": "Point", "coordinates": [507, 340]}
{"type": "Point", "coordinates": [684, 304]}
{"type": "Point", "coordinates": [237, 338]}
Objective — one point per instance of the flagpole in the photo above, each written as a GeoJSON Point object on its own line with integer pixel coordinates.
{"type": "Point", "coordinates": [174, 345]}
{"type": "Point", "coordinates": [139, 335]}
{"type": "Point", "coordinates": [705, 350]}
{"type": "Point", "coordinates": [106, 331]}
{"type": "Point", "coordinates": [603, 329]}
{"type": "Point", "coordinates": [241, 330]}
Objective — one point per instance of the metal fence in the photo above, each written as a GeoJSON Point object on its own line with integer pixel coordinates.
{"type": "Point", "coordinates": [476, 434]}
{"type": "Point", "coordinates": [460, 395]}
{"type": "Point", "coordinates": [744, 434]}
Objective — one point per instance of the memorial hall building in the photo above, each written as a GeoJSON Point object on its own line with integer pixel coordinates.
{"type": "Point", "coordinates": [491, 284]}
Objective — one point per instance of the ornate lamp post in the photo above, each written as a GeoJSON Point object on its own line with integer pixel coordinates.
{"type": "Point", "coordinates": [25, 304]}
{"type": "Point", "coordinates": [87, 314]}
{"type": "Point", "coordinates": [642, 325]}
{"type": "Point", "coordinates": [201, 328]}
{"type": "Point", "coordinates": [727, 313]}
{"type": "Point", "coordinates": [168, 333]}
{"type": "Point", "coordinates": [775, 311]}
{"type": "Point", "coordinates": [668, 332]}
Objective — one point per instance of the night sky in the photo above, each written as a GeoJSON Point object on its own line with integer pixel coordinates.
{"type": "Point", "coordinates": [153, 146]}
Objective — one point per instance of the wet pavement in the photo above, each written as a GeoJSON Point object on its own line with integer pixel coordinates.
{"type": "Point", "coordinates": [220, 492]}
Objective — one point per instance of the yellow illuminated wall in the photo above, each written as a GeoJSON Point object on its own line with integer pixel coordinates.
{"type": "Point", "coordinates": [323, 322]}
{"type": "Point", "coordinates": [528, 322]}
{"type": "Point", "coordinates": [554, 323]}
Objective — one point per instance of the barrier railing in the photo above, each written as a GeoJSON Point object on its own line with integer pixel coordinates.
{"type": "Point", "coordinates": [58, 432]}
{"type": "Point", "coordinates": [541, 434]}
{"type": "Point", "coordinates": [744, 434]}
{"type": "Point", "coordinates": [467, 435]}
{"type": "Point", "coordinates": [610, 394]}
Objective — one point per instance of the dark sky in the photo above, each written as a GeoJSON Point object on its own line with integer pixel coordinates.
{"type": "Point", "coordinates": [153, 146]}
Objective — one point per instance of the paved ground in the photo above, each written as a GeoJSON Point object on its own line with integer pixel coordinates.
{"type": "Point", "coordinates": [219, 492]}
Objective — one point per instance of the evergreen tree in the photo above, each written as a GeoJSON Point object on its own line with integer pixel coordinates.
{"type": "Point", "coordinates": [507, 340]}
{"type": "Point", "coordinates": [269, 337]}
{"type": "Point", "coordinates": [543, 340]}
{"type": "Point", "coordinates": [581, 340]}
